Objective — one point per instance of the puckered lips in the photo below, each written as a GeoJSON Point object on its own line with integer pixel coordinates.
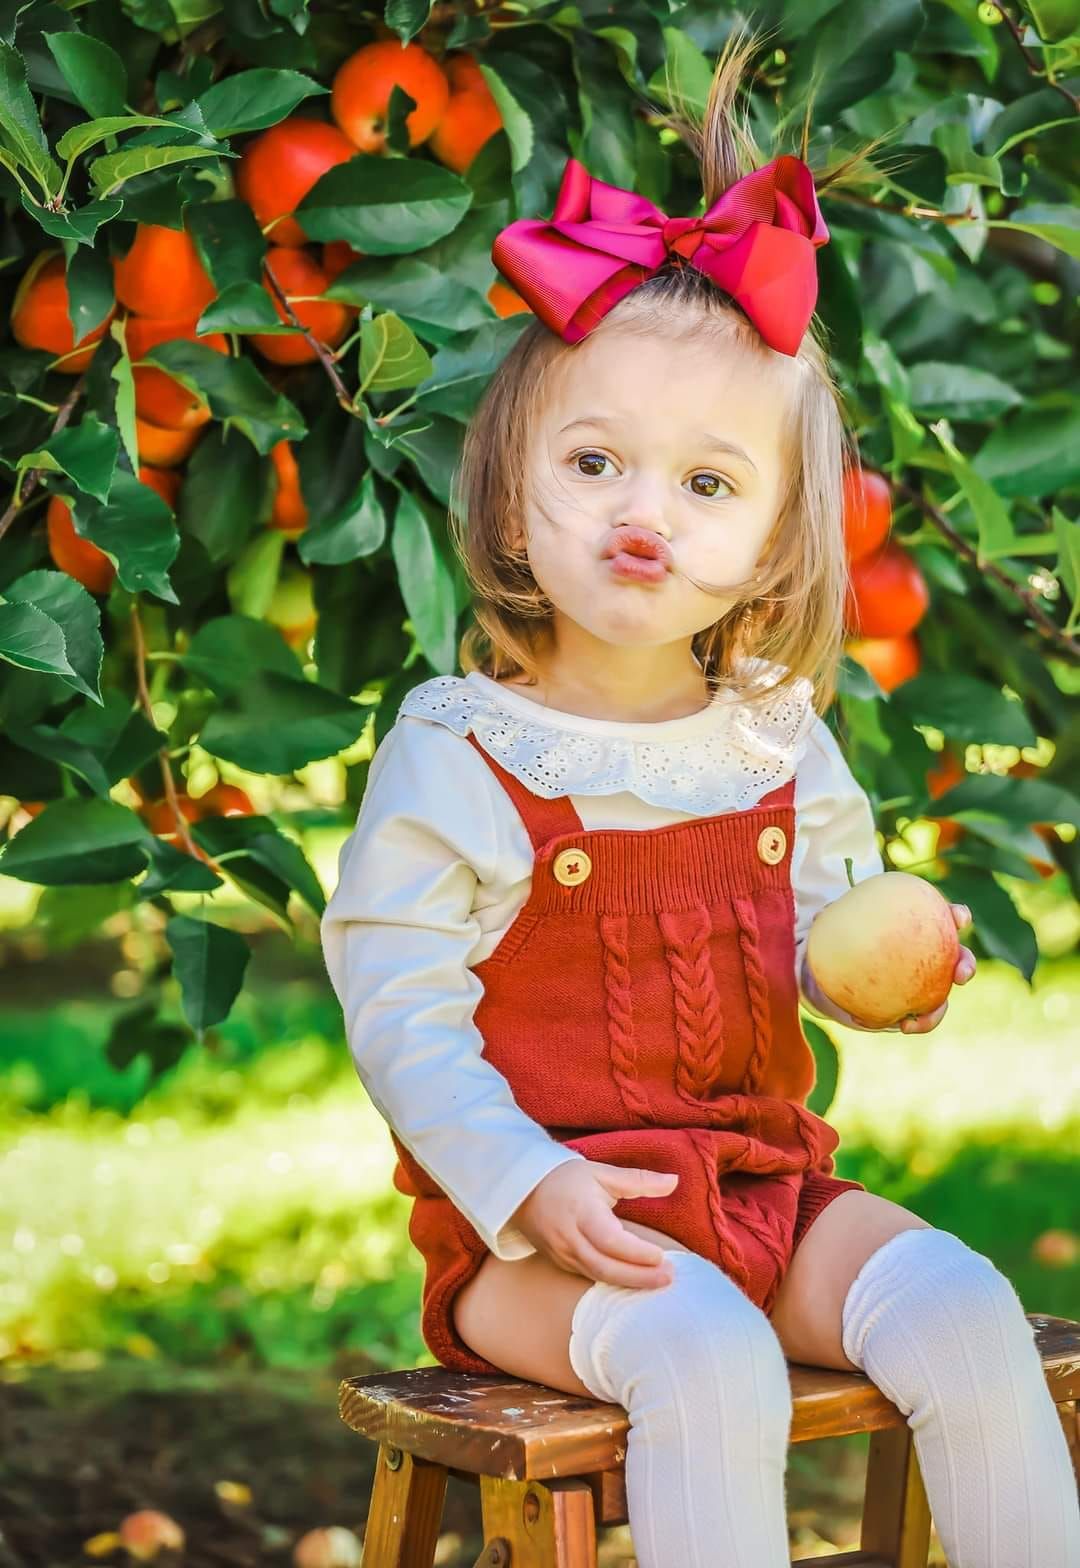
{"type": "Point", "coordinates": [638, 555]}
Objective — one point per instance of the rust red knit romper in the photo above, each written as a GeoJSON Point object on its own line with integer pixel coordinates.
{"type": "Point", "coordinates": [643, 1008]}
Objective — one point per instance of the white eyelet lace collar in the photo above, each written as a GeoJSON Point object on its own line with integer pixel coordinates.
{"type": "Point", "coordinates": [723, 758]}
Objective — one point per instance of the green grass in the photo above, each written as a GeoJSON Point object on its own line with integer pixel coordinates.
{"type": "Point", "coordinates": [241, 1211]}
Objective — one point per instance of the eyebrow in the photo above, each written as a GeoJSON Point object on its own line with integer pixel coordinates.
{"type": "Point", "coordinates": [704, 437]}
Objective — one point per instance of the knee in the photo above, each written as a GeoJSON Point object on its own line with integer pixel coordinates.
{"type": "Point", "coordinates": [698, 1337]}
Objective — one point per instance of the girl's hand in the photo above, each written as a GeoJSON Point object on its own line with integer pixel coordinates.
{"type": "Point", "coordinates": [965, 968]}
{"type": "Point", "coordinates": [568, 1217]}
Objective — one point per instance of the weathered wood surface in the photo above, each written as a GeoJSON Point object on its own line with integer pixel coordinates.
{"type": "Point", "coordinates": [500, 1426]}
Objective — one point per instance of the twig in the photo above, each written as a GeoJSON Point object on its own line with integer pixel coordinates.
{"type": "Point", "coordinates": [25, 487]}
{"type": "Point", "coordinates": [326, 359]}
{"type": "Point", "coordinates": [1030, 60]}
{"type": "Point", "coordinates": [163, 755]}
{"type": "Point", "coordinates": [909, 211]}
{"type": "Point", "coordinates": [1043, 624]}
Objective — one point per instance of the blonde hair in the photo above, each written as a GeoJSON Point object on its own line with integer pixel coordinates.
{"type": "Point", "coordinates": [791, 614]}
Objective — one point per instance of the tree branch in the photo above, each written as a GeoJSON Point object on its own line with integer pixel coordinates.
{"type": "Point", "coordinates": [911, 210]}
{"type": "Point", "coordinates": [326, 359]}
{"type": "Point", "coordinates": [1042, 622]}
{"type": "Point", "coordinates": [1031, 62]}
{"type": "Point", "coordinates": [168, 782]}
{"type": "Point", "coordinates": [25, 487]}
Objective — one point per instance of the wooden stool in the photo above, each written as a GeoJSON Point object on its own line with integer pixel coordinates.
{"type": "Point", "coordinates": [550, 1465]}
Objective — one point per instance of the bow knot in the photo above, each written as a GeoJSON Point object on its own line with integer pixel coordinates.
{"type": "Point", "coordinates": [757, 243]}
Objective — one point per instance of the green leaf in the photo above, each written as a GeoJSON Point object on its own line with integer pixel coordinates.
{"type": "Point", "coordinates": [94, 72]}
{"type": "Point", "coordinates": [996, 533]}
{"type": "Point", "coordinates": [390, 355]}
{"type": "Point", "coordinates": [121, 737]}
{"type": "Point", "coordinates": [138, 531]}
{"type": "Point", "coordinates": [1058, 226]}
{"type": "Point", "coordinates": [90, 290]}
{"type": "Point", "coordinates": [965, 709]}
{"type": "Point", "coordinates": [407, 17]}
{"type": "Point", "coordinates": [1055, 20]}
{"type": "Point", "coordinates": [253, 576]}
{"type": "Point", "coordinates": [45, 741]}
{"type": "Point", "coordinates": [358, 528]}
{"type": "Point", "coordinates": [275, 724]}
{"type": "Point", "coordinates": [827, 1064]}
{"type": "Point", "coordinates": [32, 640]}
{"type": "Point", "coordinates": [411, 288]}
{"type": "Point", "coordinates": [463, 368]}
{"type": "Point", "coordinates": [79, 225]}
{"type": "Point", "coordinates": [67, 603]}
{"type": "Point", "coordinates": [852, 52]}
{"type": "Point", "coordinates": [685, 76]}
{"type": "Point", "coordinates": [384, 206]}
{"type": "Point", "coordinates": [265, 846]}
{"type": "Point", "coordinates": [85, 452]}
{"type": "Point", "coordinates": [88, 133]}
{"type": "Point", "coordinates": [959, 391]}
{"type": "Point", "coordinates": [243, 307]}
{"type": "Point", "coordinates": [1011, 799]}
{"type": "Point", "coordinates": [209, 961]}
{"type": "Point", "coordinates": [77, 842]}
{"type": "Point", "coordinates": [114, 168]}
{"type": "Point", "coordinates": [221, 493]}
{"type": "Point", "coordinates": [252, 100]}
{"type": "Point", "coordinates": [24, 138]}
{"type": "Point", "coordinates": [137, 1033]}
{"type": "Point", "coordinates": [121, 373]}
{"type": "Point", "coordinates": [426, 584]}
{"type": "Point", "coordinates": [227, 651]}
{"type": "Point", "coordinates": [435, 451]}
{"type": "Point", "coordinates": [230, 245]}
{"type": "Point", "coordinates": [516, 122]}
{"type": "Point", "coordinates": [1036, 453]}
{"type": "Point", "coordinates": [998, 929]}
{"type": "Point", "coordinates": [173, 870]}
{"type": "Point", "coordinates": [235, 392]}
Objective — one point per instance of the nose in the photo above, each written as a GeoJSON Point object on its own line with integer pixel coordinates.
{"type": "Point", "coordinates": [641, 505]}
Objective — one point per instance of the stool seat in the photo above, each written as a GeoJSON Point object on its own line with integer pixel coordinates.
{"type": "Point", "coordinates": [520, 1440]}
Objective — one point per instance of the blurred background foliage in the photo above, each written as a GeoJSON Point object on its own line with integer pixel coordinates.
{"type": "Point", "coordinates": [227, 439]}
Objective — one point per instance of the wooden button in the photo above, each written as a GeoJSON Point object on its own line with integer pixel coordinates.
{"type": "Point", "coordinates": [772, 845]}
{"type": "Point", "coordinates": [571, 866]}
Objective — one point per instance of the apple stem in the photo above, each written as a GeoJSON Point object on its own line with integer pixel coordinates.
{"type": "Point", "coordinates": [849, 867]}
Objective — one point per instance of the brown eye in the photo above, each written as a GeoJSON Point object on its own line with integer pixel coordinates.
{"type": "Point", "coordinates": [711, 480]}
{"type": "Point", "coordinates": [591, 457]}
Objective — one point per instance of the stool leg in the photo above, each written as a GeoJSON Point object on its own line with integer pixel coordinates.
{"type": "Point", "coordinates": [547, 1524]}
{"type": "Point", "coordinates": [896, 1515]}
{"type": "Point", "coordinates": [1070, 1420]}
{"type": "Point", "coordinates": [406, 1511]}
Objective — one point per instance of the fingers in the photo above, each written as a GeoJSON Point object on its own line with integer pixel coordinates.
{"type": "Point", "coordinates": [961, 914]}
{"type": "Point", "coordinates": [611, 1238]}
{"type": "Point", "coordinates": [924, 1023]}
{"type": "Point", "coordinates": [630, 1182]}
{"type": "Point", "coordinates": [600, 1266]}
{"type": "Point", "coordinates": [965, 967]}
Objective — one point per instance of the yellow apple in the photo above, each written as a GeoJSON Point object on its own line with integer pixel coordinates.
{"type": "Point", "coordinates": [886, 950]}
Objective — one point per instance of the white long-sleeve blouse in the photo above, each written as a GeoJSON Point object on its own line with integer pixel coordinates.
{"type": "Point", "coordinates": [439, 864]}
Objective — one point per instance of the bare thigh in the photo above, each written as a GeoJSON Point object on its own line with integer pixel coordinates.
{"type": "Point", "coordinates": [809, 1305]}
{"type": "Point", "coordinates": [517, 1315]}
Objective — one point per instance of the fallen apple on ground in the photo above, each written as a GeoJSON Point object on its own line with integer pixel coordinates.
{"type": "Point", "coordinates": [886, 950]}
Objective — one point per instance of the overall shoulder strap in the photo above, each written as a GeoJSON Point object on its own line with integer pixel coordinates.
{"type": "Point", "coordinates": [544, 819]}
{"type": "Point", "coordinates": [782, 795]}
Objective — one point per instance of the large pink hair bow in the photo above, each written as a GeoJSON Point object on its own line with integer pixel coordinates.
{"type": "Point", "coordinates": [757, 243]}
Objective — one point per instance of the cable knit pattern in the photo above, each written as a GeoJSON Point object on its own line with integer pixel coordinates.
{"type": "Point", "coordinates": [699, 1024]}
{"type": "Point", "coordinates": [620, 1013]}
{"type": "Point", "coordinates": [730, 1260]}
{"type": "Point", "coordinates": [744, 750]}
{"type": "Point", "coordinates": [757, 986]}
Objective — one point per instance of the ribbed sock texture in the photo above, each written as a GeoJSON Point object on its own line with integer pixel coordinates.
{"type": "Point", "coordinates": [943, 1334]}
{"type": "Point", "coordinates": [700, 1372]}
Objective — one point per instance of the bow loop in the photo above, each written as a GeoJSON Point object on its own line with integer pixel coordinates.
{"type": "Point", "coordinates": [757, 242]}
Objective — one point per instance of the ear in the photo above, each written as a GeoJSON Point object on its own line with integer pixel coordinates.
{"type": "Point", "coordinates": [515, 533]}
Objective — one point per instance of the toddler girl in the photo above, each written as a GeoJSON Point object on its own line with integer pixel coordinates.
{"type": "Point", "coordinates": [570, 927]}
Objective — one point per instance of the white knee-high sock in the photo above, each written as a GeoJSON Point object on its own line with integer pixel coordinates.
{"type": "Point", "coordinates": [943, 1334]}
{"type": "Point", "coordinates": [700, 1372]}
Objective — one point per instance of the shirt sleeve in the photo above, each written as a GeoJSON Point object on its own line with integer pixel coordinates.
{"type": "Point", "coordinates": [397, 936]}
{"type": "Point", "coordinates": [834, 822]}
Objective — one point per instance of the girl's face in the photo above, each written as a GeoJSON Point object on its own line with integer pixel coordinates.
{"type": "Point", "coordinates": [657, 461]}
